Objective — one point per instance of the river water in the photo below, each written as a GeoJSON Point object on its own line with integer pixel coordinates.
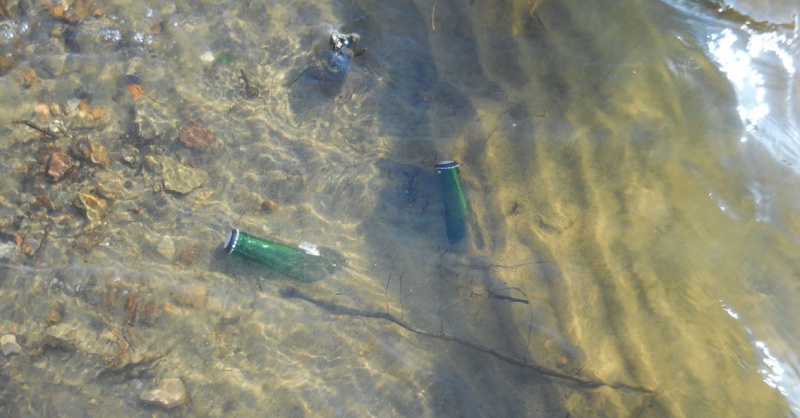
{"type": "Point", "coordinates": [631, 170]}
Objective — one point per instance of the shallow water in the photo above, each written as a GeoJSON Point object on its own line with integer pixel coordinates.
{"type": "Point", "coordinates": [629, 169]}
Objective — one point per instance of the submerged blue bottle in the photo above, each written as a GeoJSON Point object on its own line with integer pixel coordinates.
{"type": "Point", "coordinates": [455, 201]}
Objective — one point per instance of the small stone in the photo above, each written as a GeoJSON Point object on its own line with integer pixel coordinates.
{"type": "Point", "coordinates": [62, 336]}
{"type": "Point", "coordinates": [191, 295]}
{"type": "Point", "coordinates": [148, 313]}
{"type": "Point", "coordinates": [94, 207]}
{"type": "Point", "coordinates": [54, 64]}
{"type": "Point", "coordinates": [58, 164]}
{"type": "Point", "coordinates": [129, 155]}
{"type": "Point", "coordinates": [166, 247]}
{"type": "Point", "coordinates": [207, 57]}
{"type": "Point", "coordinates": [7, 250]}
{"type": "Point", "coordinates": [73, 105]}
{"type": "Point", "coordinates": [150, 125]}
{"type": "Point", "coordinates": [194, 135]}
{"type": "Point", "coordinates": [169, 394]}
{"type": "Point", "coordinates": [8, 343]}
{"type": "Point", "coordinates": [175, 176]}
{"type": "Point", "coordinates": [99, 155]}
{"type": "Point", "coordinates": [268, 205]}
{"type": "Point", "coordinates": [55, 313]}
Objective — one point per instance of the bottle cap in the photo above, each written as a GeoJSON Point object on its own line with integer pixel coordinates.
{"type": "Point", "coordinates": [445, 165]}
{"type": "Point", "coordinates": [230, 245]}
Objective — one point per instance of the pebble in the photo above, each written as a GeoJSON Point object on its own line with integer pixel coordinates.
{"type": "Point", "coordinates": [94, 207]}
{"type": "Point", "coordinates": [175, 176]}
{"type": "Point", "coordinates": [207, 57]}
{"type": "Point", "coordinates": [9, 345]}
{"type": "Point", "coordinates": [54, 64]}
{"type": "Point", "coordinates": [58, 164]}
{"type": "Point", "coordinates": [191, 295]}
{"type": "Point", "coordinates": [166, 247]}
{"type": "Point", "coordinates": [169, 394]}
{"type": "Point", "coordinates": [7, 249]}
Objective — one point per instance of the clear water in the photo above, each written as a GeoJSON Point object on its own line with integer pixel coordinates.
{"type": "Point", "coordinates": [631, 168]}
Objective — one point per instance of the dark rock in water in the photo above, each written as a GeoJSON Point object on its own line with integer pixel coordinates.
{"type": "Point", "coordinates": [169, 394]}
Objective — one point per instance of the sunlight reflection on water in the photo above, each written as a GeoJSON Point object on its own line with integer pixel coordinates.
{"type": "Point", "coordinates": [761, 67]}
{"type": "Point", "coordinates": [759, 60]}
{"type": "Point", "coordinates": [779, 375]}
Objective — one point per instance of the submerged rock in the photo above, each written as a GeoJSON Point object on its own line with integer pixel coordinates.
{"type": "Point", "coordinates": [169, 394]}
{"type": "Point", "coordinates": [94, 207]}
{"type": "Point", "coordinates": [9, 345]}
{"type": "Point", "coordinates": [57, 163]}
{"type": "Point", "coordinates": [98, 155]}
{"type": "Point", "coordinates": [166, 247]}
{"type": "Point", "coordinates": [149, 125]}
{"type": "Point", "coordinates": [194, 135]}
{"type": "Point", "coordinates": [173, 176]}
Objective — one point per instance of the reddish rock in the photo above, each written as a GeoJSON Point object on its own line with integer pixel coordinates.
{"type": "Point", "coordinates": [194, 135]}
{"type": "Point", "coordinates": [58, 164]}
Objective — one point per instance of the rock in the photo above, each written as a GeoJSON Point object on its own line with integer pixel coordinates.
{"type": "Point", "coordinates": [150, 125]}
{"type": "Point", "coordinates": [54, 64]}
{"type": "Point", "coordinates": [98, 155]}
{"type": "Point", "coordinates": [58, 163]}
{"type": "Point", "coordinates": [129, 155]}
{"type": "Point", "coordinates": [166, 247]}
{"type": "Point", "coordinates": [62, 336]}
{"type": "Point", "coordinates": [174, 176]}
{"type": "Point", "coordinates": [194, 135]}
{"type": "Point", "coordinates": [191, 295]}
{"type": "Point", "coordinates": [169, 394]}
{"type": "Point", "coordinates": [7, 250]}
{"type": "Point", "coordinates": [94, 207]}
{"type": "Point", "coordinates": [9, 346]}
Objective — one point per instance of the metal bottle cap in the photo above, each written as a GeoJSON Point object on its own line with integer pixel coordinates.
{"type": "Point", "coordinates": [445, 165]}
{"type": "Point", "coordinates": [230, 245]}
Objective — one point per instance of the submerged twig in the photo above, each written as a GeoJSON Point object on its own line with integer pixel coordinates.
{"type": "Point", "coordinates": [300, 75]}
{"type": "Point", "coordinates": [250, 90]}
{"type": "Point", "coordinates": [48, 135]}
{"type": "Point", "coordinates": [433, 15]}
{"type": "Point", "coordinates": [42, 243]}
{"type": "Point", "coordinates": [336, 309]}
{"type": "Point", "coordinates": [535, 14]}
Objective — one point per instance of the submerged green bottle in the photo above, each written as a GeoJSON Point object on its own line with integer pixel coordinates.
{"type": "Point", "coordinates": [305, 262]}
{"type": "Point", "coordinates": [455, 201]}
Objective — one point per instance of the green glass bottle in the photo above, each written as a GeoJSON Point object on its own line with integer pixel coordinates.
{"type": "Point", "coordinates": [305, 262]}
{"type": "Point", "coordinates": [455, 201]}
